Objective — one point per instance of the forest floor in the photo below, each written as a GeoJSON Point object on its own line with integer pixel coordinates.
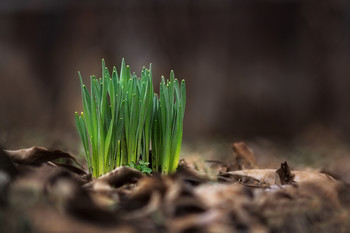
{"type": "Point", "coordinates": [256, 187]}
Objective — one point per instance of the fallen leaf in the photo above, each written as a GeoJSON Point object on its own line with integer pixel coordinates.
{"type": "Point", "coordinates": [38, 155]}
{"type": "Point", "coordinates": [230, 177]}
{"type": "Point", "coordinates": [68, 194]}
{"type": "Point", "coordinates": [7, 173]}
{"type": "Point", "coordinates": [243, 156]}
{"type": "Point", "coordinates": [70, 167]}
{"type": "Point", "coordinates": [116, 178]}
{"type": "Point", "coordinates": [218, 166]}
{"type": "Point", "coordinates": [193, 173]}
{"type": "Point", "coordinates": [6, 164]}
{"type": "Point", "coordinates": [284, 173]}
{"type": "Point", "coordinates": [269, 176]}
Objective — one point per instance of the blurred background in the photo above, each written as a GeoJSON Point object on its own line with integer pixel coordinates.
{"type": "Point", "coordinates": [269, 70]}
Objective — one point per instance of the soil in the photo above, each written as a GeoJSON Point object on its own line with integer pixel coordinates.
{"type": "Point", "coordinates": [48, 191]}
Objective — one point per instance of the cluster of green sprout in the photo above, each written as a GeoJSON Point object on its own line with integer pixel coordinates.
{"type": "Point", "coordinates": [123, 119]}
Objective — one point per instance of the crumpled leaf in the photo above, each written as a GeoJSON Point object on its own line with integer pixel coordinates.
{"type": "Point", "coordinates": [219, 166]}
{"type": "Point", "coordinates": [306, 207]}
{"type": "Point", "coordinates": [38, 155]}
{"type": "Point", "coordinates": [195, 174]}
{"type": "Point", "coordinates": [6, 164]}
{"type": "Point", "coordinates": [244, 157]}
{"type": "Point", "coordinates": [168, 194]}
{"type": "Point", "coordinates": [7, 173]}
{"type": "Point", "coordinates": [270, 177]}
{"type": "Point", "coordinates": [116, 178]}
{"type": "Point", "coordinates": [71, 168]}
{"type": "Point", "coordinates": [68, 194]}
{"type": "Point", "coordinates": [250, 181]}
{"type": "Point", "coordinates": [141, 195]}
{"type": "Point", "coordinates": [284, 173]}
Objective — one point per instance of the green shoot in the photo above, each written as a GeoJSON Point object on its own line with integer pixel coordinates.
{"type": "Point", "coordinates": [169, 111]}
{"type": "Point", "coordinates": [123, 119]}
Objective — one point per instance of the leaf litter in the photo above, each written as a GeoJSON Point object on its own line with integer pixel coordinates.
{"type": "Point", "coordinates": [39, 194]}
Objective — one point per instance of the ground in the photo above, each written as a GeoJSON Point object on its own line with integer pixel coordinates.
{"type": "Point", "coordinates": [256, 187]}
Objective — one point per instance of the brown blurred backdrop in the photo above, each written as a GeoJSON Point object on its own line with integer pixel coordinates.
{"type": "Point", "coordinates": [253, 68]}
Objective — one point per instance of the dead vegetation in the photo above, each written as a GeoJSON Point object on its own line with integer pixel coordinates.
{"type": "Point", "coordinates": [40, 194]}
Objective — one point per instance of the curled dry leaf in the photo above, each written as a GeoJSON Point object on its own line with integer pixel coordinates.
{"type": "Point", "coordinates": [307, 207]}
{"type": "Point", "coordinates": [244, 157]}
{"type": "Point", "coordinates": [195, 173]}
{"type": "Point", "coordinates": [68, 194]}
{"type": "Point", "coordinates": [166, 196]}
{"type": "Point", "coordinates": [214, 195]}
{"type": "Point", "coordinates": [73, 169]}
{"type": "Point", "coordinates": [116, 178]}
{"type": "Point", "coordinates": [7, 173]}
{"type": "Point", "coordinates": [6, 165]}
{"type": "Point", "coordinates": [284, 173]}
{"type": "Point", "coordinates": [217, 166]}
{"type": "Point", "coordinates": [232, 203]}
{"type": "Point", "coordinates": [142, 194]}
{"type": "Point", "coordinates": [148, 208]}
{"type": "Point", "coordinates": [312, 176]}
{"type": "Point", "coordinates": [108, 190]}
{"type": "Point", "coordinates": [179, 198]}
{"type": "Point", "coordinates": [39, 155]}
{"type": "Point", "coordinates": [249, 181]}
{"type": "Point", "coordinates": [270, 176]}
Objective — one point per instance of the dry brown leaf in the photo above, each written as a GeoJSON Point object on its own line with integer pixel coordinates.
{"type": "Point", "coordinates": [39, 155]}
{"type": "Point", "coordinates": [70, 197]}
{"type": "Point", "coordinates": [306, 207]}
{"type": "Point", "coordinates": [141, 195]}
{"type": "Point", "coordinates": [71, 168]}
{"type": "Point", "coordinates": [243, 156]}
{"type": "Point", "coordinates": [269, 176]}
{"type": "Point", "coordinates": [284, 173]}
{"type": "Point", "coordinates": [217, 166]}
{"type": "Point", "coordinates": [152, 206]}
{"type": "Point", "coordinates": [7, 173]}
{"type": "Point", "coordinates": [249, 181]}
{"type": "Point", "coordinates": [223, 196]}
{"type": "Point", "coordinates": [195, 173]}
{"type": "Point", "coordinates": [6, 164]}
{"type": "Point", "coordinates": [116, 178]}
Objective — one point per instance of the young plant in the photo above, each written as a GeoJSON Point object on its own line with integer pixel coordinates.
{"type": "Point", "coordinates": [141, 166]}
{"type": "Point", "coordinates": [123, 116]}
{"type": "Point", "coordinates": [169, 109]}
